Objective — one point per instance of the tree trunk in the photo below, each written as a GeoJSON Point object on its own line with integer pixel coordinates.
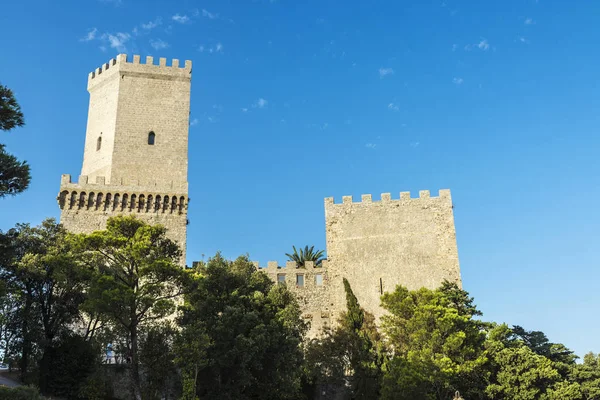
{"type": "Point", "coordinates": [135, 370]}
{"type": "Point", "coordinates": [26, 347]}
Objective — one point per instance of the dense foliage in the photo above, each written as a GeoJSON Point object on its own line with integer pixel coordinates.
{"type": "Point", "coordinates": [248, 332]}
{"type": "Point", "coordinates": [83, 316]}
{"type": "Point", "coordinates": [14, 174]}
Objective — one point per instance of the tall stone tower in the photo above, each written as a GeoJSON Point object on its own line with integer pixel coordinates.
{"type": "Point", "coordinates": [378, 245]}
{"type": "Point", "coordinates": [135, 158]}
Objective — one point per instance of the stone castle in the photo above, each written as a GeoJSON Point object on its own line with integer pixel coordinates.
{"type": "Point", "coordinates": [135, 162]}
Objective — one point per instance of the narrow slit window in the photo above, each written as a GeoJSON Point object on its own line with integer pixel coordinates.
{"type": "Point", "coordinates": [151, 138]}
{"type": "Point", "coordinates": [300, 280]}
{"type": "Point", "coordinates": [99, 143]}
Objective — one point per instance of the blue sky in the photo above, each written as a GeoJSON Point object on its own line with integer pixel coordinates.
{"type": "Point", "coordinates": [296, 101]}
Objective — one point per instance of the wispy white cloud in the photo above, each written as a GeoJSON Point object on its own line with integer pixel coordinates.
{"type": "Point", "coordinates": [458, 81]}
{"type": "Point", "coordinates": [529, 21]}
{"type": "Point", "coordinates": [483, 45]}
{"type": "Point", "coordinates": [370, 146]}
{"type": "Point", "coordinates": [383, 72]}
{"type": "Point", "coordinates": [454, 47]}
{"type": "Point", "coordinates": [158, 44]}
{"type": "Point", "coordinates": [151, 24]}
{"type": "Point", "coordinates": [414, 144]}
{"type": "Point", "coordinates": [244, 109]}
{"type": "Point", "coordinates": [212, 120]}
{"type": "Point", "coordinates": [117, 40]}
{"type": "Point", "coordinates": [260, 103]}
{"type": "Point", "coordinates": [218, 48]}
{"type": "Point", "coordinates": [91, 35]}
{"type": "Point", "coordinates": [194, 122]}
{"type": "Point", "coordinates": [182, 19]}
{"type": "Point", "coordinates": [209, 15]}
{"type": "Point", "coordinates": [523, 40]}
{"type": "Point", "coordinates": [393, 107]}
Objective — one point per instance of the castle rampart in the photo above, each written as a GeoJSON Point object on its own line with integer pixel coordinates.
{"type": "Point", "coordinates": [378, 245]}
{"type": "Point", "coordinates": [311, 286]}
{"type": "Point", "coordinates": [122, 65]}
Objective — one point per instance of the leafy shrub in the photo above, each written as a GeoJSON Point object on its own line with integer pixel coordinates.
{"type": "Point", "coordinates": [19, 393]}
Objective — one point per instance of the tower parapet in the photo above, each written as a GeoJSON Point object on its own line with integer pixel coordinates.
{"type": "Point", "coordinates": [122, 65]}
{"type": "Point", "coordinates": [444, 195]}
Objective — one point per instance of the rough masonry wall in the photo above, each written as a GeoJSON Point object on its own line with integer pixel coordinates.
{"type": "Point", "coordinates": [86, 207]}
{"type": "Point", "coordinates": [125, 174]}
{"type": "Point", "coordinates": [128, 100]}
{"type": "Point", "coordinates": [379, 245]}
{"type": "Point", "coordinates": [152, 99]}
{"type": "Point", "coordinates": [101, 123]}
{"type": "Point", "coordinates": [313, 295]}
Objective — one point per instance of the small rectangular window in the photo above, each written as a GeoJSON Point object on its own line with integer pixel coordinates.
{"type": "Point", "coordinates": [281, 278]}
{"type": "Point", "coordinates": [299, 280]}
{"type": "Point", "coordinates": [319, 279]}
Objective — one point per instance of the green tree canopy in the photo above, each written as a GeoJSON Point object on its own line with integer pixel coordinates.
{"type": "Point", "coordinates": [436, 343]}
{"type": "Point", "coordinates": [138, 278]}
{"type": "Point", "coordinates": [10, 110]}
{"type": "Point", "coordinates": [250, 331]}
{"type": "Point", "coordinates": [14, 174]}
{"type": "Point", "coordinates": [351, 355]}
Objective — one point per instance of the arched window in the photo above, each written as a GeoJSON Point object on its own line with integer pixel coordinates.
{"type": "Point", "coordinates": [99, 143]}
{"type": "Point", "coordinates": [63, 199]}
{"type": "Point", "coordinates": [73, 199]}
{"type": "Point", "coordinates": [91, 200]}
{"type": "Point", "coordinates": [151, 137]}
{"type": "Point", "coordinates": [82, 199]}
{"type": "Point", "coordinates": [99, 200]}
{"type": "Point", "coordinates": [108, 201]}
{"type": "Point", "coordinates": [149, 203]}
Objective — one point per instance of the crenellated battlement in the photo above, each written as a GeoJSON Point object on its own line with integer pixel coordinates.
{"type": "Point", "coordinates": [311, 285]}
{"type": "Point", "coordinates": [312, 276]}
{"type": "Point", "coordinates": [123, 184]}
{"type": "Point", "coordinates": [444, 195]}
{"type": "Point", "coordinates": [118, 198]}
{"type": "Point", "coordinates": [135, 65]}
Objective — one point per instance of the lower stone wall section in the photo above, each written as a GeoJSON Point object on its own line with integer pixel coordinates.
{"type": "Point", "coordinates": [84, 221]}
{"type": "Point", "coordinates": [310, 284]}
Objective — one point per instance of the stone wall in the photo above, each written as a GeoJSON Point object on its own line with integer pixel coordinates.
{"type": "Point", "coordinates": [123, 172]}
{"type": "Point", "coordinates": [378, 245]}
{"type": "Point", "coordinates": [312, 291]}
{"type": "Point", "coordinates": [128, 100]}
{"type": "Point", "coordinates": [86, 207]}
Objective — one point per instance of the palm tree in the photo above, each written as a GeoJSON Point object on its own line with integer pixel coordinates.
{"type": "Point", "coordinates": [307, 254]}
